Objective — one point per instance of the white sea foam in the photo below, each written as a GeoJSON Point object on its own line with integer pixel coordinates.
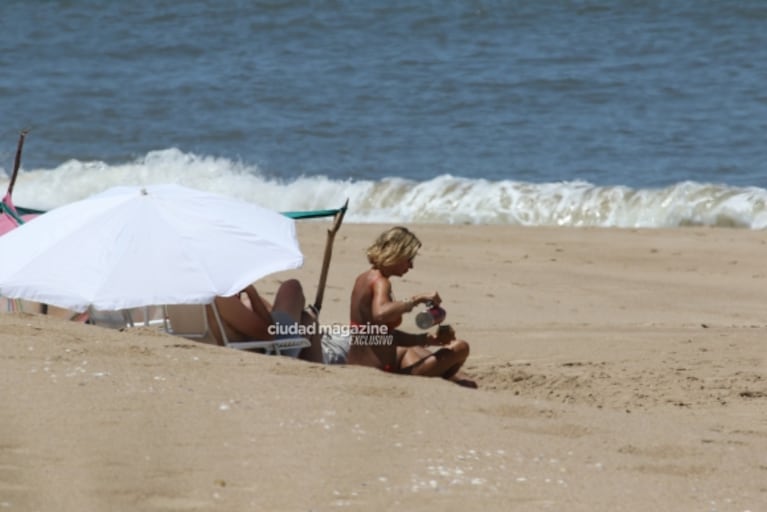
{"type": "Point", "coordinates": [443, 199]}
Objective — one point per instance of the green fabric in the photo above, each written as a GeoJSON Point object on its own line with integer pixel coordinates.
{"type": "Point", "coordinates": [312, 214]}
{"type": "Point", "coordinates": [309, 214]}
{"type": "Point", "coordinates": [4, 209]}
{"type": "Point", "coordinates": [28, 211]}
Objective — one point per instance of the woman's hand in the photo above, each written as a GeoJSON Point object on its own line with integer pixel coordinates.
{"type": "Point", "coordinates": [432, 298]}
{"type": "Point", "coordinates": [445, 334]}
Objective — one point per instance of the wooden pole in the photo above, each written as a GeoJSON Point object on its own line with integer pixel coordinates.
{"type": "Point", "coordinates": [17, 162]}
{"type": "Point", "coordinates": [337, 220]}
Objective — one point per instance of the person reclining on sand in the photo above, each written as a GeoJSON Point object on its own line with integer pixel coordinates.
{"type": "Point", "coordinates": [373, 307]}
{"type": "Point", "coordinates": [248, 316]}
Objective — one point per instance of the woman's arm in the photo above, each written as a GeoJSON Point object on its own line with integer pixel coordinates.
{"type": "Point", "coordinates": [385, 310]}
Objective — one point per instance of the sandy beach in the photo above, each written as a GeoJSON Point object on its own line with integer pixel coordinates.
{"type": "Point", "coordinates": [617, 370]}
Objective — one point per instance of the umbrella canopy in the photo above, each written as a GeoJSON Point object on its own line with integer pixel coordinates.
{"type": "Point", "coordinates": [137, 246]}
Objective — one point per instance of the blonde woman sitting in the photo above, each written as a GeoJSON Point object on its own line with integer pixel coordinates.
{"type": "Point", "coordinates": [376, 316]}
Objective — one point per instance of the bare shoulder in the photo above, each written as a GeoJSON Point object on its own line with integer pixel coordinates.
{"type": "Point", "coordinates": [368, 279]}
{"type": "Point", "coordinates": [379, 282]}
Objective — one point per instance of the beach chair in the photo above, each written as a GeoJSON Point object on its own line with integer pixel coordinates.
{"type": "Point", "coordinates": [147, 316]}
{"type": "Point", "coordinates": [191, 321]}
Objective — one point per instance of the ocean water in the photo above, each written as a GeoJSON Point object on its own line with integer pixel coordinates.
{"type": "Point", "coordinates": [570, 113]}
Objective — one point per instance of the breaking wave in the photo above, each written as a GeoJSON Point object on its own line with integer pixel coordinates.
{"type": "Point", "coordinates": [443, 199]}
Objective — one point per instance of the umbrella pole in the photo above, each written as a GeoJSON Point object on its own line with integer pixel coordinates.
{"type": "Point", "coordinates": [17, 162]}
{"type": "Point", "coordinates": [337, 220]}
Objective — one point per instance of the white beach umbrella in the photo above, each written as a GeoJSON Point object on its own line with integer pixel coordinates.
{"type": "Point", "coordinates": [138, 246]}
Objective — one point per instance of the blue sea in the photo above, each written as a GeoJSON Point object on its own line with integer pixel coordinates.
{"type": "Point", "coordinates": [566, 113]}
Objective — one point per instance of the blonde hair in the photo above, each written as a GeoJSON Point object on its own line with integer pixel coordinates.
{"type": "Point", "coordinates": [393, 245]}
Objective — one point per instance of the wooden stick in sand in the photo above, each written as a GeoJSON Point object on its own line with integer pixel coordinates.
{"type": "Point", "coordinates": [337, 220]}
{"type": "Point", "coordinates": [17, 162]}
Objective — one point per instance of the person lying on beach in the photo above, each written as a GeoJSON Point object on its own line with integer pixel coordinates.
{"type": "Point", "coordinates": [374, 310]}
{"type": "Point", "coordinates": [248, 316]}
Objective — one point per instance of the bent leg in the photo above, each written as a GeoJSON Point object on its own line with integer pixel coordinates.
{"type": "Point", "coordinates": [444, 363]}
{"type": "Point", "coordinates": [240, 321]}
{"type": "Point", "coordinates": [290, 299]}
